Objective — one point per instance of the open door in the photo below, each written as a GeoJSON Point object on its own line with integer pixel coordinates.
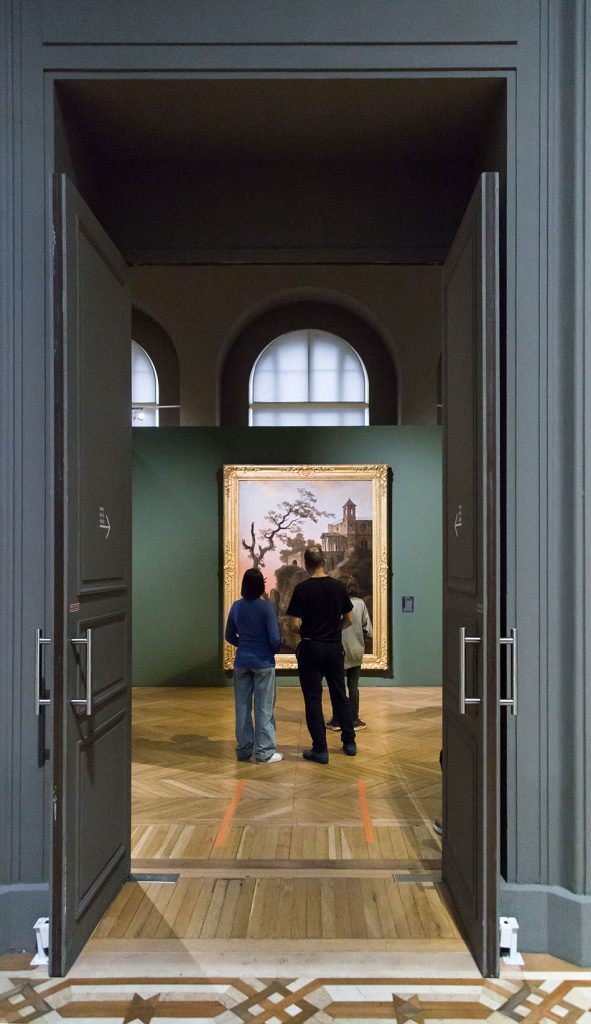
{"type": "Point", "coordinates": [470, 573]}
{"type": "Point", "coordinates": [91, 746]}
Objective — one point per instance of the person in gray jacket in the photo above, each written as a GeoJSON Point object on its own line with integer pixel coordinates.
{"type": "Point", "coordinates": [354, 647]}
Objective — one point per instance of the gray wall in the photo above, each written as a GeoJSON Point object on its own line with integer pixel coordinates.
{"type": "Point", "coordinates": [399, 211]}
{"type": "Point", "coordinates": [542, 48]}
{"type": "Point", "coordinates": [187, 171]}
{"type": "Point", "coordinates": [566, 642]}
{"type": "Point", "coordinates": [204, 309]}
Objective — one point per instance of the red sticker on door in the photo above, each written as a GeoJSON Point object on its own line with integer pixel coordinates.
{"type": "Point", "coordinates": [75, 607]}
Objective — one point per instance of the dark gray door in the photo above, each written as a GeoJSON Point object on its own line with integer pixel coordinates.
{"type": "Point", "coordinates": [91, 748]}
{"type": "Point", "coordinates": [470, 573]}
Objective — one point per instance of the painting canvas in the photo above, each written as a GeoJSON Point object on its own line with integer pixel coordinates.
{"type": "Point", "coordinates": [272, 513]}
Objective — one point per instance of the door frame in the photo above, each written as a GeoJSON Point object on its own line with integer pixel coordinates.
{"type": "Point", "coordinates": [508, 298]}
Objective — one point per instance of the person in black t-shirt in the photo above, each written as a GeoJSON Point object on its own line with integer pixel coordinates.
{"type": "Point", "coordinates": [320, 609]}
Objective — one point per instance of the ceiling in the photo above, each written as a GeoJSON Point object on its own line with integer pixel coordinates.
{"type": "Point", "coordinates": [412, 119]}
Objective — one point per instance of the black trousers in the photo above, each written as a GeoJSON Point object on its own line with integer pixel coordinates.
{"type": "Point", "coordinates": [315, 660]}
{"type": "Point", "coordinates": [352, 675]}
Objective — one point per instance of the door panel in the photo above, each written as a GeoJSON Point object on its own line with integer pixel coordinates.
{"type": "Point", "coordinates": [98, 851]}
{"type": "Point", "coordinates": [470, 587]}
{"type": "Point", "coordinates": [91, 856]}
{"type": "Point", "coordinates": [462, 772]}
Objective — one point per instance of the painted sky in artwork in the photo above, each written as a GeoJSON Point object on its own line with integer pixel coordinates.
{"type": "Point", "coordinates": [257, 497]}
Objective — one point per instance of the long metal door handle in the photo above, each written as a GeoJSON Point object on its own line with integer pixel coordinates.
{"type": "Point", "coordinates": [463, 641]}
{"type": "Point", "coordinates": [511, 702]}
{"type": "Point", "coordinates": [86, 701]}
{"type": "Point", "coordinates": [40, 700]}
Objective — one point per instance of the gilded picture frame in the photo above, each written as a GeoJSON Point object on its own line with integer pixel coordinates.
{"type": "Point", "coordinates": [271, 513]}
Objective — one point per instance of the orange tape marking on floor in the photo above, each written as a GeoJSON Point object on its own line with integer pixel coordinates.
{"type": "Point", "coordinates": [225, 825]}
{"type": "Point", "coordinates": [366, 816]}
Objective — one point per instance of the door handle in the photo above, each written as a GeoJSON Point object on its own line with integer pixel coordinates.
{"type": "Point", "coordinates": [463, 641]}
{"type": "Point", "coordinates": [511, 702]}
{"type": "Point", "coordinates": [40, 700]}
{"type": "Point", "coordinates": [86, 701]}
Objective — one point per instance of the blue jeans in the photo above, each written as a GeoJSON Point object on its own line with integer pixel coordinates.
{"type": "Point", "coordinates": [257, 683]}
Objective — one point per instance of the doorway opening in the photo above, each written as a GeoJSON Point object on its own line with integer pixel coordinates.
{"type": "Point", "coordinates": [223, 195]}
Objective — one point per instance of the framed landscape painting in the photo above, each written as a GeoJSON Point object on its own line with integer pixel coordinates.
{"type": "Point", "coordinates": [273, 513]}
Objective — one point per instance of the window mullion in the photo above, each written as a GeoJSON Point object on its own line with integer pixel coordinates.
{"type": "Point", "coordinates": [309, 405]}
{"type": "Point", "coordinates": [293, 347]}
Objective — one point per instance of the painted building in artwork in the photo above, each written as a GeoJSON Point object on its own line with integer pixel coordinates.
{"type": "Point", "coordinates": [351, 532]}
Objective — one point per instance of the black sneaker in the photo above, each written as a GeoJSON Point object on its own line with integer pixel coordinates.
{"type": "Point", "coordinates": [334, 725]}
{"type": "Point", "coordinates": [350, 749]}
{"type": "Point", "coordinates": [320, 756]}
{"type": "Point", "coordinates": [358, 724]}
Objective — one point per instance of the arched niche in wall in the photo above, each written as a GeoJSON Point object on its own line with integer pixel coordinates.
{"type": "Point", "coordinates": [156, 342]}
{"type": "Point", "coordinates": [324, 316]}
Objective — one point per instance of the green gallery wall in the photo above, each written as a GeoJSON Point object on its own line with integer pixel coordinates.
{"type": "Point", "coordinates": [177, 522]}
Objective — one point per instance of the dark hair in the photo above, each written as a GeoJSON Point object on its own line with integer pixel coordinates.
{"type": "Point", "coordinates": [313, 557]}
{"type": "Point", "coordinates": [253, 584]}
{"type": "Point", "coordinates": [352, 589]}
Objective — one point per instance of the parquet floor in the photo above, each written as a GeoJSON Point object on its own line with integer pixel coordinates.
{"type": "Point", "coordinates": [343, 853]}
{"type": "Point", "coordinates": [298, 863]}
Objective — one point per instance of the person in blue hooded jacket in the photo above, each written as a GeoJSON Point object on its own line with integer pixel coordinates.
{"type": "Point", "coordinates": [253, 629]}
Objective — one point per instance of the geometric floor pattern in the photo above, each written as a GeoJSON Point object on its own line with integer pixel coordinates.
{"type": "Point", "coordinates": [295, 1001]}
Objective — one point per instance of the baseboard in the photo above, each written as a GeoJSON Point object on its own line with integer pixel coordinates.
{"type": "Point", "coordinates": [551, 920]}
{"type": "Point", "coordinates": [20, 906]}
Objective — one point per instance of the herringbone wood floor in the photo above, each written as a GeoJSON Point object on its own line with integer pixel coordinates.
{"type": "Point", "coordinates": [293, 850]}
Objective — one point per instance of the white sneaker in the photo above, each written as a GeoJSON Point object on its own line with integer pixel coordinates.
{"type": "Point", "coordinates": [274, 757]}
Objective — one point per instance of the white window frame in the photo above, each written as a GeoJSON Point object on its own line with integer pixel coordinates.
{"type": "Point", "coordinates": [139, 407]}
{"type": "Point", "coordinates": [254, 407]}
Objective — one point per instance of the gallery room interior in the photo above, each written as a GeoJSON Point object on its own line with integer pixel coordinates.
{"type": "Point", "coordinates": [262, 283]}
{"type": "Point", "coordinates": [293, 316]}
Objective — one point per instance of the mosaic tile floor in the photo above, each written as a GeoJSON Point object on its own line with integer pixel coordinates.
{"type": "Point", "coordinates": [26, 996]}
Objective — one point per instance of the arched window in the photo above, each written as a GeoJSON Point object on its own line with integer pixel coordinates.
{"type": "Point", "coordinates": [144, 388]}
{"type": "Point", "coordinates": [156, 388]}
{"type": "Point", "coordinates": [308, 378]}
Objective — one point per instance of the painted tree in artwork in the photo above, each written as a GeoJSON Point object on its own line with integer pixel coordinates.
{"type": "Point", "coordinates": [294, 546]}
{"type": "Point", "coordinates": [285, 520]}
